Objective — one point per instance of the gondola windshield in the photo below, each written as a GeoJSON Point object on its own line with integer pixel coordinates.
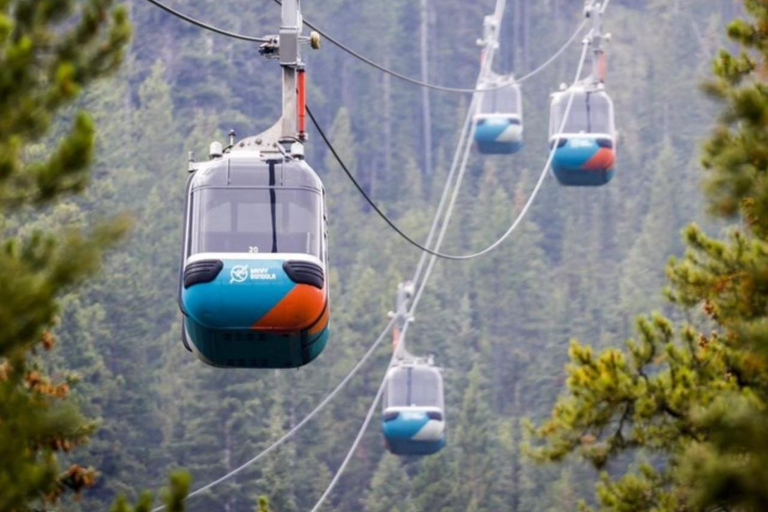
{"type": "Point", "coordinates": [414, 387]}
{"type": "Point", "coordinates": [257, 220]}
{"type": "Point", "coordinates": [501, 101]}
{"type": "Point", "coordinates": [591, 112]}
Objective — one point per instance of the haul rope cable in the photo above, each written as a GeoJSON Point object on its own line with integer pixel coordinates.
{"type": "Point", "coordinates": [420, 83]}
{"type": "Point", "coordinates": [463, 147]}
{"type": "Point", "coordinates": [333, 393]}
{"type": "Point", "coordinates": [444, 196]}
{"type": "Point", "coordinates": [401, 341]}
{"type": "Point", "coordinates": [356, 442]}
{"type": "Point", "coordinates": [366, 356]}
{"type": "Point", "coordinates": [393, 225]}
{"type": "Point", "coordinates": [372, 409]}
{"type": "Point", "coordinates": [366, 60]}
{"type": "Point", "coordinates": [206, 26]}
{"type": "Point", "coordinates": [413, 242]}
{"type": "Point", "coordinates": [299, 425]}
{"type": "Point", "coordinates": [343, 383]}
{"type": "Point", "coordinates": [534, 193]}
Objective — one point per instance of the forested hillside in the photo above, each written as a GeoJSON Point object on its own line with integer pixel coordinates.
{"type": "Point", "coordinates": [584, 263]}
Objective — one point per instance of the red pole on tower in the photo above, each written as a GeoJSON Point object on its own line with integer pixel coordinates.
{"type": "Point", "coordinates": [301, 87]}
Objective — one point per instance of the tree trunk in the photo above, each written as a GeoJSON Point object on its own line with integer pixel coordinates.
{"type": "Point", "coordinates": [525, 33]}
{"type": "Point", "coordinates": [387, 123]}
{"type": "Point", "coordinates": [229, 506]}
{"type": "Point", "coordinates": [426, 107]}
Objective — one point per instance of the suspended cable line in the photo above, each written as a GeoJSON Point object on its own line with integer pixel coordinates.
{"type": "Point", "coordinates": [544, 65]}
{"type": "Point", "coordinates": [465, 149]}
{"type": "Point", "coordinates": [414, 81]}
{"type": "Point", "coordinates": [467, 135]}
{"type": "Point", "coordinates": [466, 139]}
{"type": "Point", "coordinates": [528, 203]}
{"type": "Point", "coordinates": [288, 435]}
{"type": "Point", "coordinates": [413, 242]}
{"type": "Point", "coordinates": [206, 26]}
{"type": "Point", "coordinates": [401, 342]}
{"type": "Point", "coordinates": [371, 202]}
{"type": "Point", "coordinates": [355, 443]}
{"type": "Point", "coordinates": [531, 198]}
{"type": "Point", "coordinates": [422, 286]}
{"type": "Point", "coordinates": [366, 60]}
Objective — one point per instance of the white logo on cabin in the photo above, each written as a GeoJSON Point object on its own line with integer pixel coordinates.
{"type": "Point", "coordinates": [262, 274]}
{"type": "Point", "coordinates": [581, 143]}
{"type": "Point", "coordinates": [238, 274]}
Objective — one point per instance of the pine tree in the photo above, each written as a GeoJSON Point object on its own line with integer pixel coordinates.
{"type": "Point", "coordinates": [644, 267]}
{"type": "Point", "coordinates": [434, 487]}
{"type": "Point", "coordinates": [49, 52]}
{"type": "Point", "coordinates": [390, 488]}
{"type": "Point", "coordinates": [475, 443]}
{"type": "Point", "coordinates": [178, 488]}
{"type": "Point", "coordinates": [263, 505]}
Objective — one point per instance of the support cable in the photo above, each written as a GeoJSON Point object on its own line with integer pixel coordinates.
{"type": "Point", "coordinates": [466, 135]}
{"type": "Point", "coordinates": [370, 351]}
{"type": "Point", "coordinates": [356, 442]}
{"type": "Point", "coordinates": [405, 78]}
{"type": "Point", "coordinates": [544, 65]}
{"type": "Point", "coordinates": [366, 60]}
{"type": "Point", "coordinates": [401, 342]}
{"type": "Point", "coordinates": [206, 26]}
{"type": "Point", "coordinates": [464, 145]}
{"type": "Point", "coordinates": [288, 435]}
{"type": "Point", "coordinates": [434, 254]}
{"type": "Point", "coordinates": [528, 203]}
{"type": "Point", "coordinates": [438, 254]}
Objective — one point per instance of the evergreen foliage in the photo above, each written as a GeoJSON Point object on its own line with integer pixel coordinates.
{"type": "Point", "coordinates": [49, 52]}
{"type": "Point", "coordinates": [692, 396]}
{"type": "Point", "coordinates": [581, 265]}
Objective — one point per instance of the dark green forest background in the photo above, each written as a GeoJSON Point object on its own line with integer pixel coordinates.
{"type": "Point", "coordinates": [583, 264]}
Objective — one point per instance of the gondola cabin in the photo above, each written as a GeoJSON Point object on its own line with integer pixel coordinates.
{"type": "Point", "coordinates": [253, 287]}
{"type": "Point", "coordinates": [499, 118]}
{"type": "Point", "coordinates": [584, 143]}
{"type": "Point", "coordinates": [413, 420]}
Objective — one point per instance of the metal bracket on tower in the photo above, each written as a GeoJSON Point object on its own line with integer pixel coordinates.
{"type": "Point", "coordinates": [593, 10]}
{"type": "Point", "coordinates": [288, 135]}
{"type": "Point", "coordinates": [490, 29]}
{"type": "Point", "coordinates": [490, 41]}
{"type": "Point", "coordinates": [402, 317]}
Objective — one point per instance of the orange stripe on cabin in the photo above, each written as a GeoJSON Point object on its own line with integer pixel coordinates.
{"type": "Point", "coordinates": [601, 161]}
{"type": "Point", "coordinates": [298, 310]}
